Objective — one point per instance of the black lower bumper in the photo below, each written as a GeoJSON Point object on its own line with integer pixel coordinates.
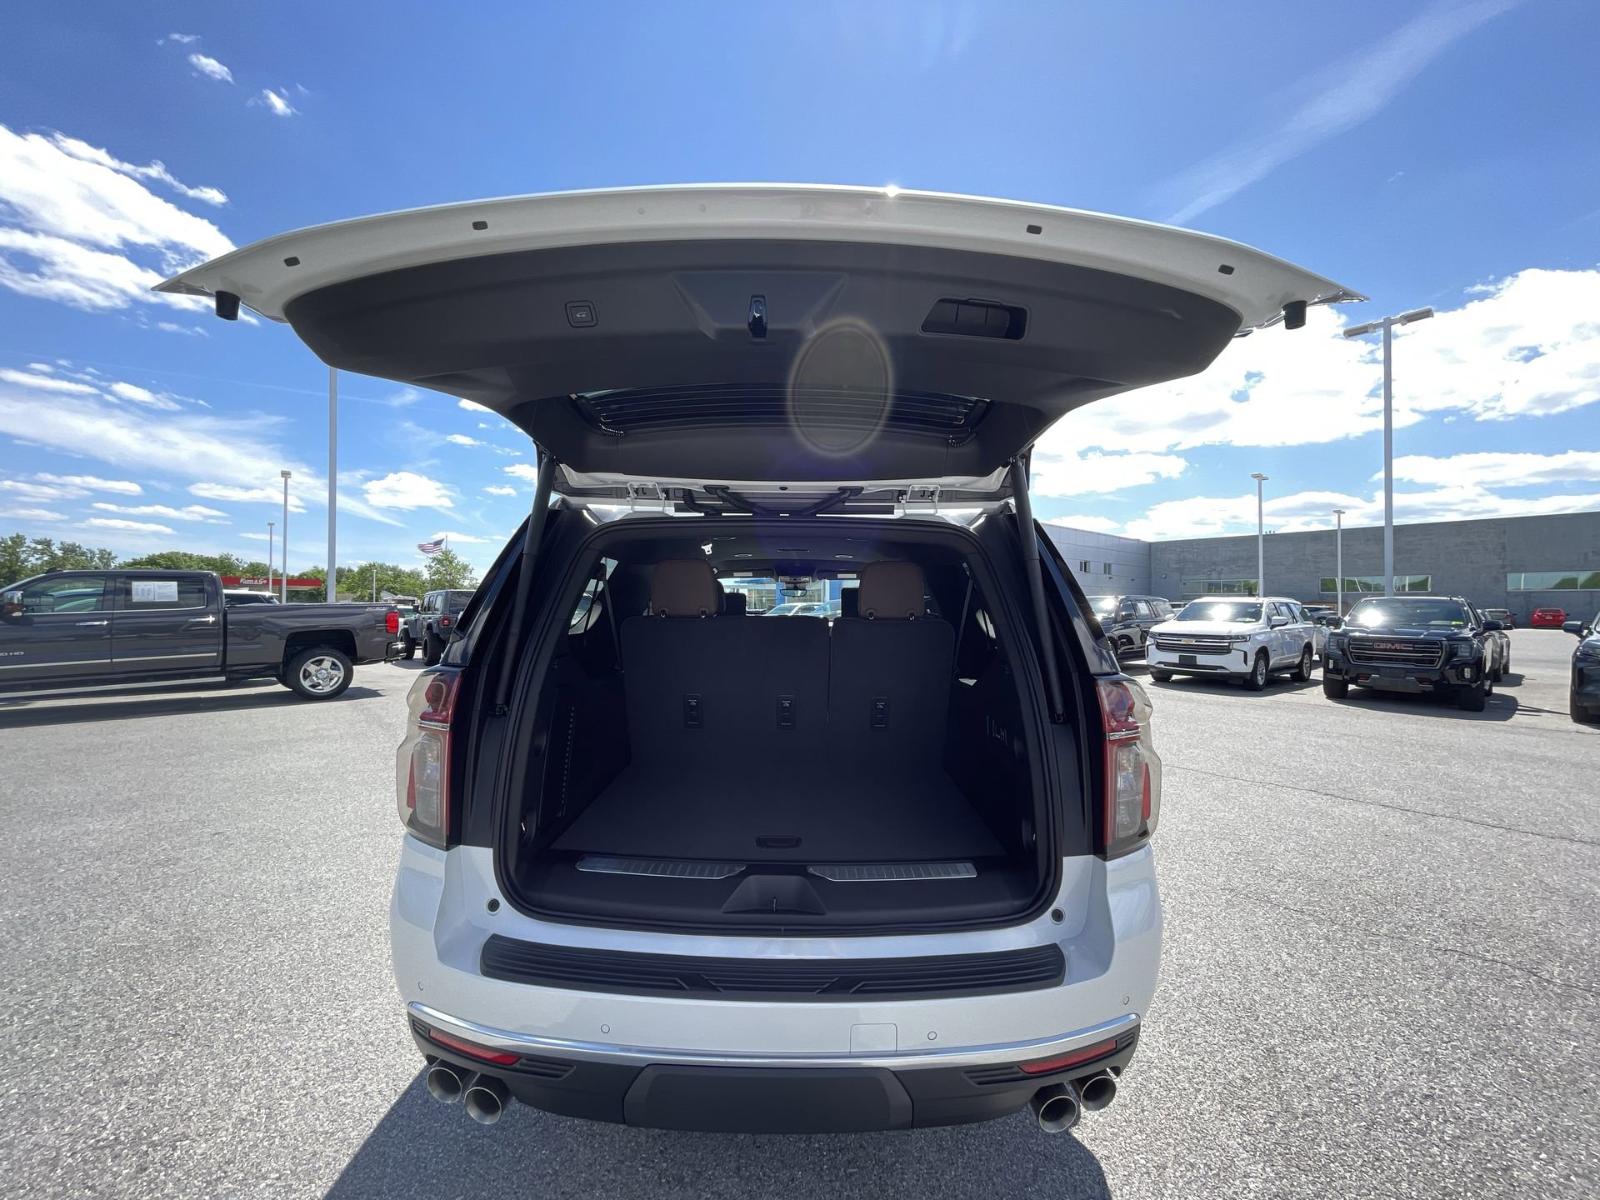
{"type": "Point", "coordinates": [1409, 679]}
{"type": "Point", "coordinates": [773, 1099]}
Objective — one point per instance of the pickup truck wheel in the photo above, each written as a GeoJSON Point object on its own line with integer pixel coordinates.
{"type": "Point", "coordinates": [1257, 679]}
{"type": "Point", "coordinates": [409, 650]}
{"type": "Point", "coordinates": [1473, 699]}
{"type": "Point", "coordinates": [1334, 688]}
{"type": "Point", "coordinates": [1302, 673]}
{"type": "Point", "coordinates": [320, 673]}
{"type": "Point", "coordinates": [432, 649]}
{"type": "Point", "coordinates": [1160, 676]}
{"type": "Point", "coordinates": [1581, 714]}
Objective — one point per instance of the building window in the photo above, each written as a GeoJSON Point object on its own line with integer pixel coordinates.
{"type": "Point", "coordinates": [1553, 581]}
{"type": "Point", "coordinates": [1105, 568]}
{"type": "Point", "coordinates": [1374, 583]}
{"type": "Point", "coordinates": [1084, 566]}
{"type": "Point", "coordinates": [1219, 587]}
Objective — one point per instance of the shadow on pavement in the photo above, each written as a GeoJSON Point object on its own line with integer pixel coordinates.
{"type": "Point", "coordinates": [422, 1148]}
{"type": "Point", "coordinates": [168, 702]}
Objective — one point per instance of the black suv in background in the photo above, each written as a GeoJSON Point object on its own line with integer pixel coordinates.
{"type": "Point", "coordinates": [1438, 644]}
{"type": "Point", "coordinates": [1127, 620]}
{"type": "Point", "coordinates": [434, 621]}
{"type": "Point", "coordinates": [1585, 706]}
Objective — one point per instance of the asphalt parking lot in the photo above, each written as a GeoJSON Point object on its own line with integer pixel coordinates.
{"type": "Point", "coordinates": [1380, 974]}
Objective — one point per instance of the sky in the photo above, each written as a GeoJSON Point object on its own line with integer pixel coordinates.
{"type": "Point", "coordinates": [1441, 154]}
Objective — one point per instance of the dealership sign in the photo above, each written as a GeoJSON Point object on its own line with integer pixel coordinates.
{"type": "Point", "coordinates": [311, 583]}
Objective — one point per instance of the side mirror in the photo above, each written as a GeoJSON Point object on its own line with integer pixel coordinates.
{"type": "Point", "coordinates": [1576, 628]}
{"type": "Point", "coordinates": [11, 604]}
{"type": "Point", "coordinates": [1492, 626]}
{"type": "Point", "coordinates": [1277, 622]}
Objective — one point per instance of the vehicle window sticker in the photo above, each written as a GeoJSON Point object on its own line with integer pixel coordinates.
{"type": "Point", "coordinates": [155, 591]}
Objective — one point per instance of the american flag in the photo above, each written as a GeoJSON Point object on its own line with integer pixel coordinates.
{"type": "Point", "coordinates": [432, 547]}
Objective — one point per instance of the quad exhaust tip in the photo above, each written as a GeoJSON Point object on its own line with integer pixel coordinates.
{"type": "Point", "coordinates": [487, 1099]}
{"type": "Point", "coordinates": [1056, 1108]}
{"type": "Point", "coordinates": [1097, 1091]}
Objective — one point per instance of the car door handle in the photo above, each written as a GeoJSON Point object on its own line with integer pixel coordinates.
{"type": "Point", "coordinates": [92, 624]}
{"type": "Point", "coordinates": [211, 620]}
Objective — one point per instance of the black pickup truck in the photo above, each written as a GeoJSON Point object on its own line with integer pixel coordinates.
{"type": "Point", "coordinates": [1438, 644]}
{"type": "Point", "coordinates": [83, 628]}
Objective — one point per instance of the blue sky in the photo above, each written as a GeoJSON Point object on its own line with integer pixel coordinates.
{"type": "Point", "coordinates": [1439, 154]}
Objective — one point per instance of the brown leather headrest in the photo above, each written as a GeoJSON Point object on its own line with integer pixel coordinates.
{"type": "Point", "coordinates": [891, 591]}
{"type": "Point", "coordinates": [683, 587]}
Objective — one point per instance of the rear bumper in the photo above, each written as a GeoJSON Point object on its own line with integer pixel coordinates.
{"type": "Point", "coordinates": [1110, 938]}
{"type": "Point", "coordinates": [666, 1093]}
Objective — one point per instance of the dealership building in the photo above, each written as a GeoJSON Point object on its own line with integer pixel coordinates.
{"type": "Point", "coordinates": [1516, 563]}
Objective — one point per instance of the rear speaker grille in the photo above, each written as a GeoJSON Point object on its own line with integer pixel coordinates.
{"type": "Point", "coordinates": [772, 978]}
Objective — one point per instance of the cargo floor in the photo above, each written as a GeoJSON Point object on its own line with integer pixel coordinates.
{"type": "Point", "coordinates": [781, 814]}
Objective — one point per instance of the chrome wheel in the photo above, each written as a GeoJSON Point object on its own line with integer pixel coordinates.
{"type": "Point", "coordinates": [321, 674]}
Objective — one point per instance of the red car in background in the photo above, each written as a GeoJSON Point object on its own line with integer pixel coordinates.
{"type": "Point", "coordinates": [1547, 618]}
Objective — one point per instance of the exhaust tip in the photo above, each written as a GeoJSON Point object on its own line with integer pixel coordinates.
{"type": "Point", "coordinates": [1097, 1091]}
{"type": "Point", "coordinates": [445, 1082]}
{"type": "Point", "coordinates": [487, 1099]}
{"type": "Point", "coordinates": [1055, 1107]}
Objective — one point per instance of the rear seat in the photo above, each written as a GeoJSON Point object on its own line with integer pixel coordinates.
{"type": "Point", "coordinates": [702, 689]}
{"type": "Point", "coordinates": [889, 671]}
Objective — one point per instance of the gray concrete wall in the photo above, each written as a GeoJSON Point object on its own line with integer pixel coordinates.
{"type": "Point", "coordinates": [1465, 558]}
{"type": "Point", "coordinates": [1128, 560]}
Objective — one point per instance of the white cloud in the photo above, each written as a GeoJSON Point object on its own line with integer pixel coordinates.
{"type": "Point", "coordinates": [406, 489]}
{"type": "Point", "coordinates": [139, 395]}
{"type": "Point", "coordinates": [1345, 95]}
{"type": "Point", "coordinates": [404, 398]}
{"type": "Point", "coordinates": [190, 512]}
{"type": "Point", "coordinates": [182, 39]}
{"type": "Point", "coordinates": [93, 483]}
{"type": "Point", "coordinates": [1057, 472]}
{"type": "Point", "coordinates": [461, 439]}
{"type": "Point", "coordinates": [80, 232]}
{"type": "Point", "coordinates": [525, 471]}
{"type": "Point", "coordinates": [1084, 521]}
{"type": "Point", "coordinates": [277, 103]}
{"type": "Point", "coordinates": [245, 495]}
{"type": "Point", "coordinates": [31, 514]}
{"type": "Point", "coordinates": [127, 526]}
{"type": "Point", "coordinates": [498, 490]}
{"type": "Point", "coordinates": [45, 383]}
{"type": "Point", "coordinates": [466, 539]}
{"type": "Point", "coordinates": [156, 170]}
{"type": "Point", "coordinates": [1499, 469]}
{"type": "Point", "coordinates": [210, 67]}
{"type": "Point", "coordinates": [257, 537]}
{"type": "Point", "coordinates": [18, 489]}
{"type": "Point", "coordinates": [472, 406]}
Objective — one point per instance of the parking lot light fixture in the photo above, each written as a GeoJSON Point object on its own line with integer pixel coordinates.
{"type": "Point", "coordinates": [1338, 556]}
{"type": "Point", "coordinates": [270, 525]}
{"type": "Point", "coordinates": [1386, 325]}
{"type": "Point", "coordinates": [1261, 537]}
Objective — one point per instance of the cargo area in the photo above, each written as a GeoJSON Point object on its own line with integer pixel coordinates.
{"type": "Point", "coordinates": [855, 759]}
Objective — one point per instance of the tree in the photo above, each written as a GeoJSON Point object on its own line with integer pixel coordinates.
{"type": "Point", "coordinates": [14, 558]}
{"type": "Point", "coordinates": [356, 582]}
{"type": "Point", "coordinates": [447, 569]}
{"type": "Point", "coordinates": [184, 560]}
{"type": "Point", "coordinates": [22, 556]}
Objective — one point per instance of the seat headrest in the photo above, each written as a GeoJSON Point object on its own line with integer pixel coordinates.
{"type": "Point", "coordinates": [734, 604]}
{"type": "Point", "coordinates": [683, 587]}
{"type": "Point", "coordinates": [891, 591]}
{"type": "Point", "coordinates": [850, 602]}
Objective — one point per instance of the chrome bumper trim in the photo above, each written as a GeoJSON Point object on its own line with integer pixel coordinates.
{"type": "Point", "coordinates": [958, 1056]}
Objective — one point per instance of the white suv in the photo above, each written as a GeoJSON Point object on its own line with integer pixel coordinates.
{"type": "Point", "coordinates": [1244, 637]}
{"type": "Point", "coordinates": [668, 864]}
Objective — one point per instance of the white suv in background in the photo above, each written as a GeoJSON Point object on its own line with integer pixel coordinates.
{"type": "Point", "coordinates": [1242, 636]}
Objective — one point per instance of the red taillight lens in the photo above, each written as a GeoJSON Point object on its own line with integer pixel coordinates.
{"type": "Point", "coordinates": [1043, 1066]}
{"type": "Point", "coordinates": [1132, 770]}
{"type": "Point", "coordinates": [422, 767]}
{"type": "Point", "coordinates": [391, 621]}
{"type": "Point", "coordinates": [472, 1050]}
{"type": "Point", "coordinates": [444, 622]}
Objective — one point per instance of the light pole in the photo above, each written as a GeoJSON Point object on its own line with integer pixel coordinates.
{"type": "Point", "coordinates": [1261, 537]}
{"type": "Point", "coordinates": [270, 524]}
{"type": "Point", "coordinates": [285, 581]}
{"type": "Point", "coordinates": [331, 593]}
{"type": "Point", "coordinates": [1387, 324]}
{"type": "Point", "coordinates": [1338, 584]}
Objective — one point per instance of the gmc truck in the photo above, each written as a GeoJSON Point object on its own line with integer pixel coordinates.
{"type": "Point", "coordinates": [1437, 644]}
{"type": "Point", "coordinates": [83, 628]}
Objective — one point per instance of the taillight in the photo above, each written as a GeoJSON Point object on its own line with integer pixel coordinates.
{"type": "Point", "coordinates": [391, 621]}
{"type": "Point", "coordinates": [1132, 769]}
{"type": "Point", "coordinates": [1044, 1066]}
{"type": "Point", "coordinates": [422, 766]}
{"type": "Point", "coordinates": [501, 1058]}
{"type": "Point", "coordinates": [444, 622]}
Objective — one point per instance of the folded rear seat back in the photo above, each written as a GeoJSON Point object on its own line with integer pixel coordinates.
{"type": "Point", "coordinates": [719, 692]}
{"type": "Point", "coordinates": [890, 671]}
